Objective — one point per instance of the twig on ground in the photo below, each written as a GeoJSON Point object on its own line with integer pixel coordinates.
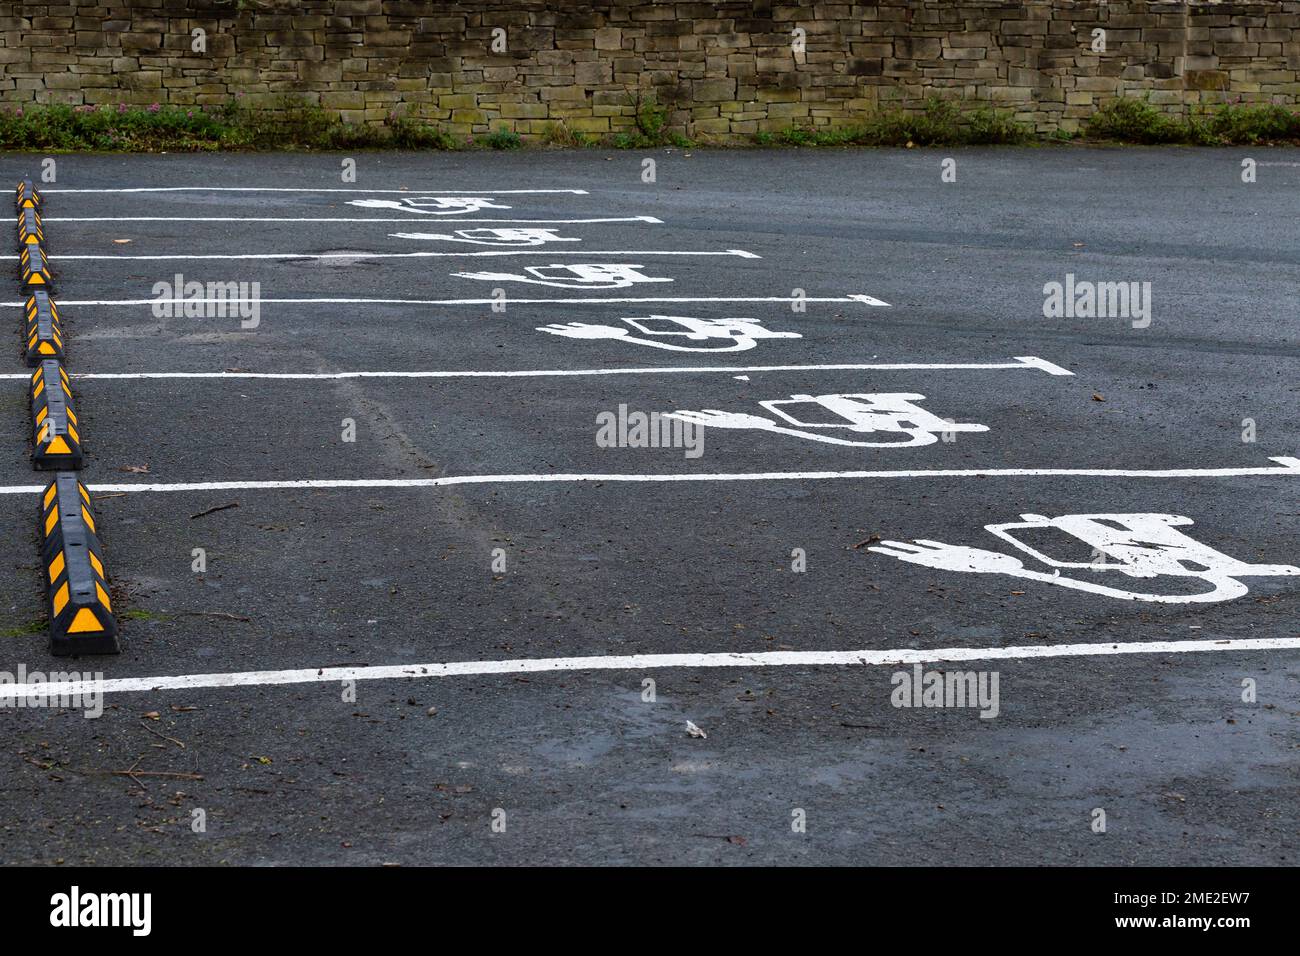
{"type": "Point", "coordinates": [233, 504]}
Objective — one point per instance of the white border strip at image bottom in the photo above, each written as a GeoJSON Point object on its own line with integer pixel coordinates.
{"type": "Point", "coordinates": [632, 662]}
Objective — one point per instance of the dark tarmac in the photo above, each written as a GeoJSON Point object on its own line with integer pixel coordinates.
{"type": "Point", "coordinates": [620, 557]}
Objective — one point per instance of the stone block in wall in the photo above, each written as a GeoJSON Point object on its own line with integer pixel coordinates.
{"type": "Point", "coordinates": [787, 110]}
{"type": "Point", "coordinates": [918, 48]}
{"type": "Point", "coordinates": [453, 26]}
{"type": "Point", "coordinates": [1023, 28]}
{"type": "Point", "coordinates": [142, 80]}
{"type": "Point", "coordinates": [564, 93]}
{"type": "Point", "coordinates": [470, 117]}
{"type": "Point", "coordinates": [1097, 83]}
{"type": "Point", "coordinates": [594, 73]}
{"type": "Point", "coordinates": [343, 100]}
{"type": "Point", "coordinates": [62, 81]}
{"type": "Point", "coordinates": [1228, 34]}
{"type": "Point", "coordinates": [1205, 79]}
{"type": "Point", "coordinates": [141, 41]}
{"type": "Point", "coordinates": [712, 125]}
{"type": "Point", "coordinates": [43, 61]}
{"type": "Point", "coordinates": [523, 110]}
{"type": "Point", "coordinates": [712, 91]}
{"type": "Point", "coordinates": [865, 66]}
{"type": "Point", "coordinates": [1258, 35]}
{"type": "Point", "coordinates": [321, 71]}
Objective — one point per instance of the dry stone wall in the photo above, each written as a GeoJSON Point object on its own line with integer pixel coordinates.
{"type": "Point", "coordinates": [722, 70]}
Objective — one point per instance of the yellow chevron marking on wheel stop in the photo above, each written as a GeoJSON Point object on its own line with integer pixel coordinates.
{"type": "Point", "coordinates": [84, 621]}
{"type": "Point", "coordinates": [60, 599]}
{"type": "Point", "coordinates": [56, 567]}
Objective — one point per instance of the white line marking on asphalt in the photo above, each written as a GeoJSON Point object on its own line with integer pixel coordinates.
{"type": "Point", "coordinates": [1035, 362]}
{"type": "Point", "coordinates": [1285, 466]}
{"type": "Point", "coordinates": [326, 189]}
{"type": "Point", "coordinates": [648, 219]}
{"type": "Point", "coordinates": [425, 254]}
{"type": "Point", "coordinates": [1022, 363]}
{"type": "Point", "coordinates": [864, 299]}
{"type": "Point", "coordinates": [630, 662]}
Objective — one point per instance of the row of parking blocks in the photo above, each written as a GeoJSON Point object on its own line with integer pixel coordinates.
{"type": "Point", "coordinates": [72, 557]}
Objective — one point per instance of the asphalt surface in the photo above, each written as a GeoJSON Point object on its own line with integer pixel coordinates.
{"type": "Point", "coordinates": [581, 767]}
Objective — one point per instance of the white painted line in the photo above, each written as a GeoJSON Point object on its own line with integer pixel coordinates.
{"type": "Point", "coordinates": [1285, 466]}
{"type": "Point", "coordinates": [865, 299]}
{"type": "Point", "coordinates": [739, 253]}
{"type": "Point", "coordinates": [329, 189]}
{"type": "Point", "coordinates": [1035, 362]}
{"type": "Point", "coordinates": [421, 219]}
{"type": "Point", "coordinates": [1021, 363]}
{"type": "Point", "coordinates": [630, 662]}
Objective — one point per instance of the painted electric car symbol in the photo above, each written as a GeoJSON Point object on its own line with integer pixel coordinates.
{"type": "Point", "coordinates": [430, 205]}
{"type": "Point", "coordinates": [1138, 545]}
{"type": "Point", "coordinates": [670, 331]}
{"type": "Point", "coordinates": [582, 275]}
{"type": "Point", "coordinates": [509, 238]}
{"type": "Point", "coordinates": [827, 418]}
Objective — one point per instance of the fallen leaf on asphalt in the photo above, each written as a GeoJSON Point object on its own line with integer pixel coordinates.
{"type": "Point", "coordinates": [695, 731]}
{"type": "Point", "coordinates": [121, 242]}
{"type": "Point", "coordinates": [1096, 397]}
{"type": "Point", "coordinates": [135, 469]}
